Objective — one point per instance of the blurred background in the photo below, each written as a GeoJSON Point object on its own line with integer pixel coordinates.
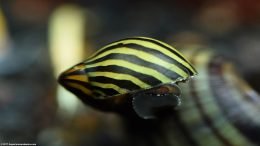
{"type": "Point", "coordinates": [41, 38]}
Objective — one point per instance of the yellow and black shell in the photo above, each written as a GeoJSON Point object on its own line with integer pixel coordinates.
{"type": "Point", "coordinates": [127, 67]}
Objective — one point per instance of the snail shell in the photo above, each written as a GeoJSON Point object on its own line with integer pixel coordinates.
{"type": "Point", "coordinates": [218, 106]}
{"type": "Point", "coordinates": [126, 68]}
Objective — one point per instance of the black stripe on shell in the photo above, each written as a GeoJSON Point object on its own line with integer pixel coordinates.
{"type": "Point", "coordinates": [150, 80]}
{"type": "Point", "coordinates": [135, 60]}
{"type": "Point", "coordinates": [124, 84]}
{"type": "Point", "coordinates": [162, 45]}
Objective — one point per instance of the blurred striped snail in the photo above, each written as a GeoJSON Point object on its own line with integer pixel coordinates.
{"type": "Point", "coordinates": [219, 106]}
{"type": "Point", "coordinates": [136, 74]}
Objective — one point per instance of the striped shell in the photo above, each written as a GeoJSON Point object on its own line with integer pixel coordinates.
{"type": "Point", "coordinates": [128, 65]}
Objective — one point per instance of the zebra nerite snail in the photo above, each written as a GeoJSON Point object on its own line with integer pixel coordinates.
{"type": "Point", "coordinates": [139, 73]}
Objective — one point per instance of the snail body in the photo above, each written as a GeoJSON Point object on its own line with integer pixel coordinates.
{"type": "Point", "coordinates": [123, 69]}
